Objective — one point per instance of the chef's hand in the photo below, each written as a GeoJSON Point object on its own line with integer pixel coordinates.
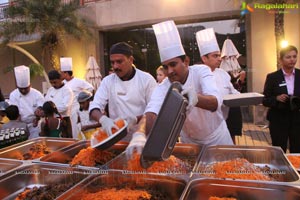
{"type": "Point", "coordinates": [131, 121]}
{"type": "Point", "coordinates": [192, 96]}
{"type": "Point", "coordinates": [107, 124]}
{"type": "Point", "coordinates": [137, 144]}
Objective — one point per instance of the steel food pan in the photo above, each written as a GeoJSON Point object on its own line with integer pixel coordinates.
{"type": "Point", "coordinates": [65, 155]}
{"type": "Point", "coordinates": [18, 151]}
{"type": "Point", "coordinates": [39, 175]}
{"type": "Point", "coordinates": [242, 99]}
{"type": "Point", "coordinates": [278, 166]}
{"type": "Point", "coordinates": [186, 152]}
{"type": "Point", "coordinates": [206, 188]}
{"type": "Point", "coordinates": [6, 165]}
{"type": "Point", "coordinates": [160, 187]}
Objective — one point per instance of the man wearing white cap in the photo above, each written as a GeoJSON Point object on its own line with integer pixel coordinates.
{"type": "Point", "coordinates": [27, 99]}
{"type": "Point", "coordinates": [211, 56]}
{"type": "Point", "coordinates": [204, 123]}
{"type": "Point", "coordinates": [62, 96]}
{"type": "Point", "coordinates": [126, 91]}
{"type": "Point", "coordinates": [77, 85]}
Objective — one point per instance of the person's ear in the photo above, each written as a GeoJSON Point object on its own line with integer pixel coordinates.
{"type": "Point", "coordinates": [204, 59]}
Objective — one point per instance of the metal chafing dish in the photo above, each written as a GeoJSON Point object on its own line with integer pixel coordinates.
{"type": "Point", "coordinates": [159, 186]}
{"type": "Point", "coordinates": [14, 182]}
{"type": "Point", "coordinates": [65, 155]}
{"type": "Point", "coordinates": [6, 165]}
{"type": "Point", "coordinates": [273, 157]}
{"type": "Point", "coordinates": [186, 152]}
{"type": "Point", "coordinates": [14, 151]}
{"type": "Point", "coordinates": [205, 188]}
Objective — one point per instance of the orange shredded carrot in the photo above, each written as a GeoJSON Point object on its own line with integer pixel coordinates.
{"type": "Point", "coordinates": [17, 155]}
{"type": "Point", "coordinates": [91, 156]}
{"type": "Point", "coordinates": [236, 169]}
{"type": "Point", "coordinates": [221, 198]}
{"type": "Point", "coordinates": [295, 160]}
{"type": "Point", "coordinates": [172, 165]}
{"type": "Point", "coordinates": [23, 194]}
{"type": "Point", "coordinates": [102, 135]}
{"type": "Point", "coordinates": [37, 150]}
{"type": "Point", "coordinates": [115, 194]}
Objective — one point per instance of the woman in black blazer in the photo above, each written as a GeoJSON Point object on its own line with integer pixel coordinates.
{"type": "Point", "coordinates": [282, 94]}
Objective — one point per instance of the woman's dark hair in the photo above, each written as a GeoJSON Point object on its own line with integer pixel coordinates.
{"type": "Point", "coordinates": [49, 109]}
{"type": "Point", "coordinates": [54, 74]}
{"type": "Point", "coordinates": [12, 112]}
{"type": "Point", "coordinates": [289, 48]}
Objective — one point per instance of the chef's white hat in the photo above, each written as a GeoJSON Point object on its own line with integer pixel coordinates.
{"type": "Point", "coordinates": [168, 40]}
{"type": "Point", "coordinates": [66, 64]}
{"type": "Point", "coordinates": [207, 41]}
{"type": "Point", "coordinates": [22, 74]}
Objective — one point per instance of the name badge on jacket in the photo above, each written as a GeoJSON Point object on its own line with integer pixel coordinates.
{"type": "Point", "coordinates": [282, 84]}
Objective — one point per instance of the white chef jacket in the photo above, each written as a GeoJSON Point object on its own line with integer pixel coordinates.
{"type": "Point", "coordinates": [27, 104]}
{"type": "Point", "coordinates": [201, 126]}
{"type": "Point", "coordinates": [125, 99]}
{"type": "Point", "coordinates": [225, 87]}
{"type": "Point", "coordinates": [62, 98]}
{"type": "Point", "coordinates": [77, 85]}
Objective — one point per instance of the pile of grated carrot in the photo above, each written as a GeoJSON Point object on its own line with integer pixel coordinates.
{"type": "Point", "coordinates": [37, 150]}
{"type": "Point", "coordinates": [239, 168]}
{"type": "Point", "coordinates": [91, 156]}
{"type": "Point", "coordinates": [102, 135]}
{"type": "Point", "coordinates": [172, 164]}
{"type": "Point", "coordinates": [115, 194]}
{"type": "Point", "coordinates": [295, 160]}
{"type": "Point", "coordinates": [222, 198]}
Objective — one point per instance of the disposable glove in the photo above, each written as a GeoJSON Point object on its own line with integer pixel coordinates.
{"type": "Point", "coordinates": [131, 121]}
{"type": "Point", "coordinates": [192, 96]}
{"type": "Point", "coordinates": [137, 144]}
{"type": "Point", "coordinates": [107, 124]}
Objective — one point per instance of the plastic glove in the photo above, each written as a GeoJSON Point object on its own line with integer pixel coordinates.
{"type": "Point", "coordinates": [107, 124]}
{"type": "Point", "coordinates": [137, 144]}
{"type": "Point", "coordinates": [192, 96]}
{"type": "Point", "coordinates": [131, 121]}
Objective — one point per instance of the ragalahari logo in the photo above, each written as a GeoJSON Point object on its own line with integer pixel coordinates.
{"type": "Point", "coordinates": [246, 8]}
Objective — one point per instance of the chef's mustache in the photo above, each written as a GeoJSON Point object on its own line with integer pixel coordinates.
{"type": "Point", "coordinates": [117, 70]}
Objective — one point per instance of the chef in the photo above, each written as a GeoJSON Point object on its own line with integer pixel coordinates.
{"type": "Point", "coordinates": [204, 123]}
{"type": "Point", "coordinates": [62, 96]}
{"type": "Point", "coordinates": [77, 85]}
{"type": "Point", "coordinates": [27, 99]}
{"type": "Point", "coordinates": [127, 91]}
{"type": "Point", "coordinates": [211, 56]}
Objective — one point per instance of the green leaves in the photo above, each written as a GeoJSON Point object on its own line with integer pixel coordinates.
{"type": "Point", "coordinates": [35, 70]}
{"type": "Point", "coordinates": [52, 18]}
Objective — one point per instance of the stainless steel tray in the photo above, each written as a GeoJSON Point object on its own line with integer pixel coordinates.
{"type": "Point", "coordinates": [273, 157]}
{"type": "Point", "coordinates": [65, 155]}
{"type": "Point", "coordinates": [38, 175]}
{"type": "Point", "coordinates": [205, 188]}
{"type": "Point", "coordinates": [6, 165]}
{"type": "Point", "coordinates": [12, 152]}
{"type": "Point", "coordinates": [186, 152]}
{"type": "Point", "coordinates": [243, 99]}
{"type": "Point", "coordinates": [165, 187]}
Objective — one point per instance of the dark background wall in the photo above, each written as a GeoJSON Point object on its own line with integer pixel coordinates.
{"type": "Point", "coordinates": [146, 52]}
